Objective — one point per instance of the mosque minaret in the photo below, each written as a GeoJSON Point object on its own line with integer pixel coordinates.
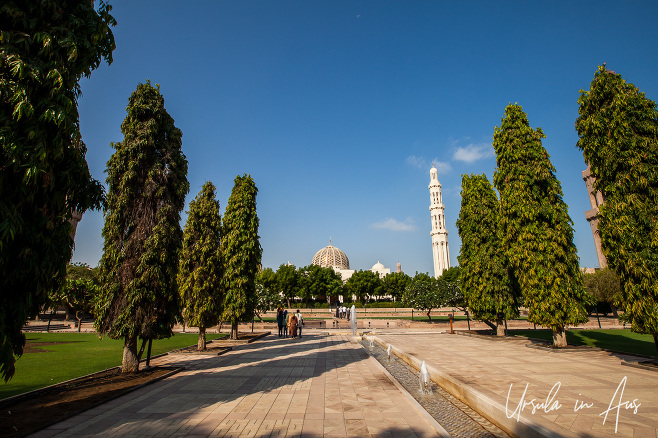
{"type": "Point", "coordinates": [439, 232]}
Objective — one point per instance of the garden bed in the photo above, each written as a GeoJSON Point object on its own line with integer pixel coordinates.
{"type": "Point", "coordinates": [27, 413]}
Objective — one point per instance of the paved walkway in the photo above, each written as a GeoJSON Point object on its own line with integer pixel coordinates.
{"type": "Point", "coordinates": [482, 372]}
{"type": "Point", "coordinates": [315, 386]}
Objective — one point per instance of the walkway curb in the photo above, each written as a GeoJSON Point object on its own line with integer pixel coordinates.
{"type": "Point", "coordinates": [488, 408]}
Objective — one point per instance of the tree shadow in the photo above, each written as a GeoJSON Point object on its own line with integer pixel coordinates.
{"type": "Point", "coordinates": [617, 344]}
{"type": "Point", "coordinates": [269, 365]}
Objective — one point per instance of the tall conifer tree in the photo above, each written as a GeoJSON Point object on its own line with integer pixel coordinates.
{"type": "Point", "coordinates": [483, 273]}
{"type": "Point", "coordinates": [200, 268]}
{"type": "Point", "coordinates": [618, 134]}
{"type": "Point", "coordinates": [538, 232]}
{"type": "Point", "coordinates": [241, 253]}
{"type": "Point", "coordinates": [46, 47]}
{"type": "Point", "coordinates": [147, 184]}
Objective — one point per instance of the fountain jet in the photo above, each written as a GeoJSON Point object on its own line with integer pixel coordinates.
{"type": "Point", "coordinates": [424, 378]}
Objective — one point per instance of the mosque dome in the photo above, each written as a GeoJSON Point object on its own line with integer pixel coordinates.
{"type": "Point", "coordinates": [331, 257]}
{"type": "Point", "coordinates": [378, 267]}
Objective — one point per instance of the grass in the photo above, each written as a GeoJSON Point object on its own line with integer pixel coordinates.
{"type": "Point", "coordinates": [618, 340]}
{"type": "Point", "coordinates": [417, 317]}
{"type": "Point", "coordinates": [75, 355]}
{"type": "Point", "coordinates": [265, 319]}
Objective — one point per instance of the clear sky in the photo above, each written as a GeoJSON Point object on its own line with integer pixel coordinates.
{"type": "Point", "coordinates": [338, 108]}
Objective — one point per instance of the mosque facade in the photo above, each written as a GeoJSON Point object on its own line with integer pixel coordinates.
{"type": "Point", "coordinates": [332, 257]}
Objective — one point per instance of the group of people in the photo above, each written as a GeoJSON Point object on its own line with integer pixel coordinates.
{"type": "Point", "coordinates": [289, 324]}
{"type": "Point", "coordinates": [342, 312]}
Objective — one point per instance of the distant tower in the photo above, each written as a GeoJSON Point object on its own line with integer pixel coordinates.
{"type": "Point", "coordinates": [439, 232]}
{"type": "Point", "coordinates": [592, 216]}
{"type": "Point", "coordinates": [399, 268]}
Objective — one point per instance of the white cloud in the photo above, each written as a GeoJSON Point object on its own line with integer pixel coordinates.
{"type": "Point", "coordinates": [421, 163]}
{"type": "Point", "coordinates": [415, 161]}
{"type": "Point", "coordinates": [395, 225]}
{"type": "Point", "coordinates": [441, 167]}
{"type": "Point", "coordinates": [473, 152]}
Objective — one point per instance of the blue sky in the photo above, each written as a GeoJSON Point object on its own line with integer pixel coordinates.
{"type": "Point", "coordinates": [337, 109]}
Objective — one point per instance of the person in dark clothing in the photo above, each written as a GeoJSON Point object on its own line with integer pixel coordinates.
{"type": "Point", "coordinates": [279, 320]}
{"type": "Point", "coordinates": [285, 323]}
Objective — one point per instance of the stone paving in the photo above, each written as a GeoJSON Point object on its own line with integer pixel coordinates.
{"type": "Point", "coordinates": [485, 370]}
{"type": "Point", "coordinates": [315, 386]}
{"type": "Point", "coordinates": [458, 419]}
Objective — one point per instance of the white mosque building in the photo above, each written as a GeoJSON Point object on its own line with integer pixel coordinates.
{"type": "Point", "coordinates": [332, 257]}
{"type": "Point", "coordinates": [439, 233]}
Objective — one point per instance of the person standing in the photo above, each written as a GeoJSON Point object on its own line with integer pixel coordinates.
{"type": "Point", "coordinates": [292, 325]}
{"type": "Point", "coordinates": [279, 320]}
{"type": "Point", "coordinates": [285, 323]}
{"type": "Point", "coordinates": [300, 321]}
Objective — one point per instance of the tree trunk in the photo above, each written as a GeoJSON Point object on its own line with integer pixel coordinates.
{"type": "Point", "coordinates": [655, 340]}
{"type": "Point", "coordinates": [148, 354]}
{"type": "Point", "coordinates": [500, 328]}
{"type": "Point", "coordinates": [234, 330]}
{"type": "Point", "coordinates": [491, 325]}
{"type": "Point", "coordinates": [559, 337]}
{"type": "Point", "coordinates": [141, 349]}
{"type": "Point", "coordinates": [429, 317]}
{"type": "Point", "coordinates": [201, 345]}
{"type": "Point", "coordinates": [50, 318]}
{"type": "Point", "coordinates": [130, 363]}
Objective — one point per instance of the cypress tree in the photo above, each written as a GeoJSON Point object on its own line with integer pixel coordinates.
{"type": "Point", "coordinates": [537, 229]}
{"type": "Point", "coordinates": [483, 273]}
{"type": "Point", "coordinates": [147, 184]}
{"type": "Point", "coordinates": [46, 47]}
{"type": "Point", "coordinates": [618, 134]}
{"type": "Point", "coordinates": [199, 269]}
{"type": "Point", "coordinates": [241, 253]}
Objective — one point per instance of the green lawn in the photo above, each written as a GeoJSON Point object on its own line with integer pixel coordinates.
{"type": "Point", "coordinates": [78, 354]}
{"type": "Point", "coordinates": [618, 340]}
{"type": "Point", "coordinates": [420, 317]}
{"type": "Point", "coordinates": [265, 319]}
